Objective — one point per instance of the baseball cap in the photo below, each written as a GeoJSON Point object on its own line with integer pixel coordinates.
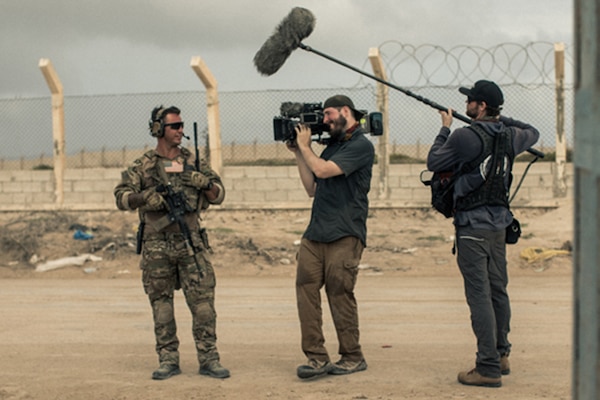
{"type": "Point", "coordinates": [486, 91]}
{"type": "Point", "coordinates": [340, 101]}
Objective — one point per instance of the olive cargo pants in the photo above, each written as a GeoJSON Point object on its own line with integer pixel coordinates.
{"type": "Point", "coordinates": [335, 266]}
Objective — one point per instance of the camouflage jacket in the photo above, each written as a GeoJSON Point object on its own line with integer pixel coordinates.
{"type": "Point", "coordinates": [144, 174]}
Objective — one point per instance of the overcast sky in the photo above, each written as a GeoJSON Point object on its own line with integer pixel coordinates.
{"type": "Point", "coordinates": [141, 46]}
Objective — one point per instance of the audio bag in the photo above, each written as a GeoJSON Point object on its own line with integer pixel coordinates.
{"type": "Point", "coordinates": [513, 232]}
{"type": "Point", "coordinates": [442, 191]}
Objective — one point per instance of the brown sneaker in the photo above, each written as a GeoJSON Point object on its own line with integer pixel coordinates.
{"type": "Point", "coordinates": [344, 367]}
{"type": "Point", "coordinates": [313, 368]}
{"type": "Point", "coordinates": [473, 378]}
{"type": "Point", "coordinates": [504, 365]}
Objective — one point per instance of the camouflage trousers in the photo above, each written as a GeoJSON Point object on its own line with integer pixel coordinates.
{"type": "Point", "coordinates": [166, 267]}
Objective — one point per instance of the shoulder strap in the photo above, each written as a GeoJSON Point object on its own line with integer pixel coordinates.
{"type": "Point", "coordinates": [487, 143]}
{"type": "Point", "coordinates": [487, 140]}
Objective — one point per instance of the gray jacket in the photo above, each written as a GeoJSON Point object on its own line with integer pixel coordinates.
{"type": "Point", "coordinates": [450, 152]}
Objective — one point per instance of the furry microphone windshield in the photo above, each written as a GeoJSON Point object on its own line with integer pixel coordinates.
{"type": "Point", "coordinates": [288, 35]}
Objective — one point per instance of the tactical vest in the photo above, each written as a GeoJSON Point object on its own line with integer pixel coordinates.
{"type": "Point", "coordinates": [493, 191]}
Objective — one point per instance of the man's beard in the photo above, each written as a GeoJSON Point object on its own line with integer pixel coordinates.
{"type": "Point", "coordinates": [339, 128]}
{"type": "Point", "coordinates": [472, 113]}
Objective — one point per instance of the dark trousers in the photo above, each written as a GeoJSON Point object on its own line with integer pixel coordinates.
{"type": "Point", "coordinates": [335, 266]}
{"type": "Point", "coordinates": [482, 262]}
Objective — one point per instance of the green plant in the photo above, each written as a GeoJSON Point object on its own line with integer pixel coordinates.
{"type": "Point", "coordinates": [262, 162]}
{"type": "Point", "coordinates": [41, 167]}
{"type": "Point", "coordinates": [221, 230]}
{"type": "Point", "coordinates": [403, 159]}
{"type": "Point", "coordinates": [432, 238]}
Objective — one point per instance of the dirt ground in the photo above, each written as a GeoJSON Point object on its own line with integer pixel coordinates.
{"type": "Point", "coordinates": [85, 331]}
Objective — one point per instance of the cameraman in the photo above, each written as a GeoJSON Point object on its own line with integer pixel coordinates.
{"type": "Point", "coordinates": [339, 181]}
{"type": "Point", "coordinates": [481, 217]}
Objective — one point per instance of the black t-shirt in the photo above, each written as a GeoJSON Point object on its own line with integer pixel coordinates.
{"type": "Point", "coordinates": [341, 204]}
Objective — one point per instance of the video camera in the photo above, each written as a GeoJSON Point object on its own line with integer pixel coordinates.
{"type": "Point", "coordinates": [311, 115]}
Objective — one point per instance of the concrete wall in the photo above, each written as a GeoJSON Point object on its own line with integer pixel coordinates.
{"type": "Point", "coordinates": [252, 187]}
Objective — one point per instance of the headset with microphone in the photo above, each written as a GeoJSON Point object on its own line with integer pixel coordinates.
{"type": "Point", "coordinates": [156, 124]}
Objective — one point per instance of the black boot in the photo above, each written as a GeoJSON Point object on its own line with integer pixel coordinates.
{"type": "Point", "coordinates": [214, 369]}
{"type": "Point", "coordinates": [166, 371]}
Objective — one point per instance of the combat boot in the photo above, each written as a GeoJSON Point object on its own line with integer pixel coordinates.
{"type": "Point", "coordinates": [214, 369]}
{"type": "Point", "coordinates": [166, 371]}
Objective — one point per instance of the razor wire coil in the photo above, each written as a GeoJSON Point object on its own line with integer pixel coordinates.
{"type": "Point", "coordinates": [429, 65]}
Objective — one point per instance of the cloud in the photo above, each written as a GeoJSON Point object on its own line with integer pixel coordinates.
{"type": "Point", "coordinates": [128, 46]}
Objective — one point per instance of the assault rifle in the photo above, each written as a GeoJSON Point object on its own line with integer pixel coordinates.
{"type": "Point", "coordinates": [178, 207]}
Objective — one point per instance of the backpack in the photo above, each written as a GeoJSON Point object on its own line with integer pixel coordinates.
{"type": "Point", "coordinates": [442, 190]}
{"type": "Point", "coordinates": [442, 183]}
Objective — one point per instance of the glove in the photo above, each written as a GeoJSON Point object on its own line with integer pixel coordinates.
{"type": "Point", "coordinates": [195, 179]}
{"type": "Point", "coordinates": [153, 200]}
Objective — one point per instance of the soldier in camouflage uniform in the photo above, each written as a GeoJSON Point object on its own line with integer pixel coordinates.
{"type": "Point", "coordinates": [172, 259]}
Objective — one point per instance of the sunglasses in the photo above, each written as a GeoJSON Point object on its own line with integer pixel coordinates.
{"type": "Point", "coordinates": [175, 125]}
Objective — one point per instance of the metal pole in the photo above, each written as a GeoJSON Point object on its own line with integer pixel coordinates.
{"type": "Point", "coordinates": [586, 334]}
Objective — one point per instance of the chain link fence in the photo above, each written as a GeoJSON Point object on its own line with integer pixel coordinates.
{"type": "Point", "coordinates": [110, 131]}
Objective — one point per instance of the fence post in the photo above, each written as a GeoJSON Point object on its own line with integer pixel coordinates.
{"type": "Point", "coordinates": [560, 175]}
{"type": "Point", "coordinates": [58, 126]}
{"type": "Point", "coordinates": [212, 105]}
{"type": "Point", "coordinates": [103, 157]}
{"type": "Point", "coordinates": [383, 159]}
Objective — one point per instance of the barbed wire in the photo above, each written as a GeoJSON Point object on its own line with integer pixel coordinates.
{"type": "Point", "coordinates": [429, 65]}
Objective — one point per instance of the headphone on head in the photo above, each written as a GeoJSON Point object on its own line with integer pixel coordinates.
{"type": "Point", "coordinates": [156, 124]}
